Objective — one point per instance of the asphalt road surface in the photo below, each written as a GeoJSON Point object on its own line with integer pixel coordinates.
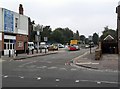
{"type": "Point", "coordinates": [54, 71]}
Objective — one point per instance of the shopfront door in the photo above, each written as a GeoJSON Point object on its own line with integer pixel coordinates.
{"type": "Point", "coordinates": [9, 48]}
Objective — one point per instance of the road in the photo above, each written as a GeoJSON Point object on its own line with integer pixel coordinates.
{"type": "Point", "coordinates": [54, 71]}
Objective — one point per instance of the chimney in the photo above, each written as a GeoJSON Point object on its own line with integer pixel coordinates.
{"type": "Point", "coordinates": [20, 9]}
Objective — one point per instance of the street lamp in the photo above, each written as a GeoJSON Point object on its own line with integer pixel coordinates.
{"type": "Point", "coordinates": [39, 29]}
{"type": "Point", "coordinates": [90, 40]}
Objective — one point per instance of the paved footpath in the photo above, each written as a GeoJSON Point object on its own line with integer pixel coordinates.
{"type": "Point", "coordinates": [107, 61]}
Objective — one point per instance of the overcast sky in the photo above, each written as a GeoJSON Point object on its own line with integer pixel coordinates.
{"type": "Point", "coordinates": [86, 16]}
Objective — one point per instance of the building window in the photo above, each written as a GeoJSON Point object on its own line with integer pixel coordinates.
{"type": "Point", "coordinates": [20, 44]}
{"type": "Point", "coordinates": [16, 22]}
{"type": "Point", "coordinates": [5, 46]}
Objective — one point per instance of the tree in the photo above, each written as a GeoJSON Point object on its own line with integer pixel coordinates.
{"type": "Point", "coordinates": [95, 38]}
{"type": "Point", "coordinates": [76, 36]}
{"type": "Point", "coordinates": [46, 33]}
{"type": "Point", "coordinates": [86, 41]}
{"type": "Point", "coordinates": [57, 36]}
{"type": "Point", "coordinates": [82, 38]}
{"type": "Point", "coordinates": [65, 35]}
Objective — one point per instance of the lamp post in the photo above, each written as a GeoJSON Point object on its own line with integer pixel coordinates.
{"type": "Point", "coordinates": [90, 40]}
{"type": "Point", "coordinates": [39, 29]}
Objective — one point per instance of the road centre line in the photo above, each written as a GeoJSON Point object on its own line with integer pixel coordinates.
{"type": "Point", "coordinates": [99, 82]}
{"type": "Point", "coordinates": [87, 63]}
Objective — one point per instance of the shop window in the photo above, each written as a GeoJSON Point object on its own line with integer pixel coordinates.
{"type": "Point", "coordinates": [13, 46]}
{"type": "Point", "coordinates": [10, 46]}
{"type": "Point", "coordinates": [5, 46]}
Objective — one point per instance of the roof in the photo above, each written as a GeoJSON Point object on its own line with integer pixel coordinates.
{"type": "Point", "coordinates": [109, 37]}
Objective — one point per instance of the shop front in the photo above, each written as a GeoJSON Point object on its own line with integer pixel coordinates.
{"type": "Point", "coordinates": [9, 44]}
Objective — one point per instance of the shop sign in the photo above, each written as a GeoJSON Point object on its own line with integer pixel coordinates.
{"type": "Point", "coordinates": [8, 21]}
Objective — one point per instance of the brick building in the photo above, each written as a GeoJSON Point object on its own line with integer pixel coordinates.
{"type": "Point", "coordinates": [118, 25]}
{"type": "Point", "coordinates": [13, 31]}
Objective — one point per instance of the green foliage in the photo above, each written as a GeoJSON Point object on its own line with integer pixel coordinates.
{"type": "Point", "coordinates": [46, 33]}
{"type": "Point", "coordinates": [95, 38]}
{"type": "Point", "coordinates": [62, 35]}
{"type": "Point", "coordinates": [86, 41]}
{"type": "Point", "coordinates": [82, 38]}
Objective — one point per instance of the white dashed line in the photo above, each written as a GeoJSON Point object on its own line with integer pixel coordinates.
{"type": "Point", "coordinates": [62, 69]}
{"type": "Point", "coordinates": [98, 82]}
{"type": "Point", "coordinates": [73, 69]}
{"type": "Point", "coordinates": [21, 77]}
{"type": "Point", "coordinates": [53, 67]}
{"type": "Point", "coordinates": [57, 80]}
{"type": "Point", "coordinates": [39, 78]}
{"type": "Point", "coordinates": [5, 76]}
{"type": "Point", "coordinates": [77, 81]}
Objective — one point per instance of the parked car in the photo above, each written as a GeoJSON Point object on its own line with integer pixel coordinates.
{"type": "Point", "coordinates": [87, 46]}
{"type": "Point", "coordinates": [53, 47]}
{"type": "Point", "coordinates": [30, 45]}
{"type": "Point", "coordinates": [43, 45]}
{"type": "Point", "coordinates": [61, 46]}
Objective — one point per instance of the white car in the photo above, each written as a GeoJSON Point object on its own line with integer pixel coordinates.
{"type": "Point", "coordinates": [43, 45]}
{"type": "Point", "coordinates": [30, 45]}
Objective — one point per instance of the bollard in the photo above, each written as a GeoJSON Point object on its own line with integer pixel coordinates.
{"type": "Point", "coordinates": [36, 50]}
{"type": "Point", "coordinates": [27, 51]}
{"type": "Point", "coordinates": [45, 50]}
{"type": "Point", "coordinates": [40, 50]}
{"type": "Point", "coordinates": [9, 53]}
{"type": "Point", "coordinates": [32, 51]}
{"type": "Point", "coordinates": [16, 53]}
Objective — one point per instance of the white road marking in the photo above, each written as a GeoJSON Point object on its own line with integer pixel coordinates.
{"type": "Point", "coordinates": [77, 81]}
{"type": "Point", "coordinates": [99, 82]}
{"type": "Point", "coordinates": [53, 67]}
{"type": "Point", "coordinates": [57, 80]}
{"type": "Point", "coordinates": [86, 63]}
{"type": "Point", "coordinates": [21, 77]}
{"type": "Point", "coordinates": [5, 76]}
{"type": "Point", "coordinates": [73, 69]}
{"type": "Point", "coordinates": [38, 78]}
{"type": "Point", "coordinates": [63, 69]}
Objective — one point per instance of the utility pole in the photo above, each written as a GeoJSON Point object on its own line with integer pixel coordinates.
{"type": "Point", "coordinates": [39, 29]}
{"type": "Point", "coordinates": [90, 40]}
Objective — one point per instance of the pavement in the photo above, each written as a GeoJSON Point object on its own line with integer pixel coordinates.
{"type": "Point", "coordinates": [25, 55]}
{"type": "Point", "coordinates": [107, 61]}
